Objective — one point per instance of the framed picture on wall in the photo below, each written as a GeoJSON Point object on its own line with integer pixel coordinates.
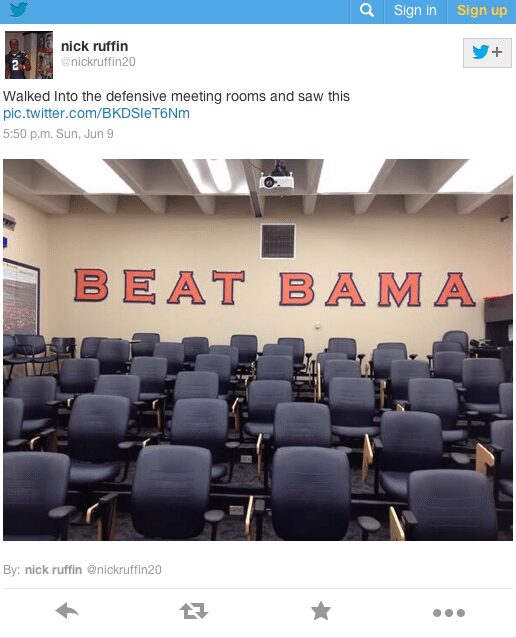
{"type": "Point", "coordinates": [21, 298]}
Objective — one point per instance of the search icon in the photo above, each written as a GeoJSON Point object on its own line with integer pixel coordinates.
{"type": "Point", "coordinates": [366, 9]}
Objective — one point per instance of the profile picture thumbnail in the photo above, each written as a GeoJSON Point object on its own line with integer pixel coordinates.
{"type": "Point", "coordinates": [29, 55]}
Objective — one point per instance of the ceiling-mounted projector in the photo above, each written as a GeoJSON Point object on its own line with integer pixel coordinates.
{"type": "Point", "coordinates": [279, 178]}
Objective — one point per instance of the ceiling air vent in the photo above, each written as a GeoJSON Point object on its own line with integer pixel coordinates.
{"type": "Point", "coordinates": [278, 241]}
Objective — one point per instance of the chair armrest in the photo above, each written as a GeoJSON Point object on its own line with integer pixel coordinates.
{"type": "Point", "coordinates": [62, 512]}
{"type": "Point", "coordinates": [16, 444]}
{"type": "Point", "coordinates": [484, 458]}
{"type": "Point", "coordinates": [48, 438]}
{"type": "Point", "coordinates": [412, 356]}
{"type": "Point", "coordinates": [62, 516]}
{"type": "Point", "coordinates": [367, 457]}
{"type": "Point", "coordinates": [153, 439]}
{"type": "Point", "coordinates": [368, 525]}
{"type": "Point", "coordinates": [410, 522]}
{"type": "Point", "coordinates": [378, 445]}
{"type": "Point", "coordinates": [214, 517]}
{"type": "Point", "coordinates": [409, 517]}
{"type": "Point", "coordinates": [126, 445]}
{"type": "Point", "coordinates": [139, 404]}
{"type": "Point", "coordinates": [460, 458]}
{"type": "Point", "coordinates": [254, 507]}
{"type": "Point", "coordinates": [396, 530]}
{"type": "Point", "coordinates": [103, 512]}
{"type": "Point", "coordinates": [54, 404]}
{"type": "Point", "coordinates": [232, 445]}
{"type": "Point", "coordinates": [499, 416]}
{"type": "Point", "coordinates": [344, 449]}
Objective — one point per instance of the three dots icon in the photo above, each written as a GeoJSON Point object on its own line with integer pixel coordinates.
{"type": "Point", "coordinates": [449, 613]}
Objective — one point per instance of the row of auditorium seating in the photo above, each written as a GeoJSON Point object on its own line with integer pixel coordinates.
{"type": "Point", "coordinates": [408, 441]}
{"type": "Point", "coordinates": [350, 397]}
{"type": "Point", "coordinates": [21, 349]}
{"type": "Point", "coordinates": [310, 499]}
{"type": "Point", "coordinates": [266, 414]}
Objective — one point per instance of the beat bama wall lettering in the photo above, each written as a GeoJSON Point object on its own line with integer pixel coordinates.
{"type": "Point", "coordinates": [294, 288]}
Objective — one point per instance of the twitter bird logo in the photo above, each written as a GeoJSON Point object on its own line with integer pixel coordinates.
{"type": "Point", "coordinates": [478, 52]}
{"type": "Point", "coordinates": [18, 10]}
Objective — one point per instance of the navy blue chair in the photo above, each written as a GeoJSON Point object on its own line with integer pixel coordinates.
{"type": "Point", "coordinates": [196, 385]}
{"type": "Point", "coordinates": [76, 376]}
{"type": "Point", "coordinates": [438, 396]}
{"type": "Point", "coordinates": [39, 402]}
{"type": "Point", "coordinates": [194, 346]}
{"type": "Point", "coordinates": [502, 443]}
{"type": "Point", "coordinates": [496, 458]}
{"type": "Point", "coordinates": [34, 348]}
{"type": "Point", "coordinates": [310, 494]}
{"type": "Point", "coordinates": [443, 346]}
{"type": "Point", "coordinates": [35, 488]}
{"type": "Point", "coordinates": [113, 356]}
{"type": "Point", "coordinates": [152, 372]}
{"type": "Point", "coordinates": [318, 369]}
{"type": "Point", "coordinates": [447, 505]}
{"type": "Point", "coordinates": [275, 367]}
{"type": "Point", "coordinates": [352, 407]}
{"type": "Point", "coordinates": [174, 353]}
{"type": "Point", "coordinates": [204, 423]}
{"type": "Point", "coordinates": [231, 352]}
{"type": "Point", "coordinates": [505, 398]}
{"type": "Point", "coordinates": [12, 358]}
{"type": "Point", "coordinates": [123, 385]}
{"type": "Point", "coordinates": [89, 347]}
{"type": "Point", "coordinates": [220, 364]}
{"type": "Point", "coordinates": [393, 345]}
{"type": "Point", "coordinates": [301, 425]}
{"type": "Point", "coordinates": [346, 345]}
{"type": "Point", "coordinates": [263, 397]}
{"type": "Point", "coordinates": [247, 350]}
{"type": "Point", "coordinates": [171, 493]}
{"type": "Point", "coordinates": [448, 365]}
{"type": "Point", "coordinates": [97, 446]}
{"type": "Point", "coordinates": [12, 426]}
{"type": "Point", "coordinates": [335, 368]}
{"type": "Point", "coordinates": [63, 347]}
{"type": "Point", "coordinates": [457, 336]}
{"type": "Point", "coordinates": [401, 373]}
{"type": "Point", "coordinates": [143, 344]}
{"type": "Point", "coordinates": [481, 379]}
{"type": "Point", "coordinates": [408, 441]}
{"type": "Point", "coordinates": [298, 352]}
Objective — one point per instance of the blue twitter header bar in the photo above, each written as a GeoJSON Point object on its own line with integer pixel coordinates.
{"type": "Point", "coordinates": [42, 12]}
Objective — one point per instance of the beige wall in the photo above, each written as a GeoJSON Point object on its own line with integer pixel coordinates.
{"type": "Point", "coordinates": [29, 244]}
{"type": "Point", "coordinates": [434, 242]}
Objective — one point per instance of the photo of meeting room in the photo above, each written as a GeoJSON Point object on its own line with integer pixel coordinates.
{"type": "Point", "coordinates": [258, 349]}
{"type": "Point", "coordinates": [29, 55]}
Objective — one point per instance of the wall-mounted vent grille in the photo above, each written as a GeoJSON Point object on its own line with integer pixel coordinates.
{"type": "Point", "coordinates": [278, 241]}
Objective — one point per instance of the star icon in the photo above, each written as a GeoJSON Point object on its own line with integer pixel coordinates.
{"type": "Point", "coordinates": [321, 611]}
